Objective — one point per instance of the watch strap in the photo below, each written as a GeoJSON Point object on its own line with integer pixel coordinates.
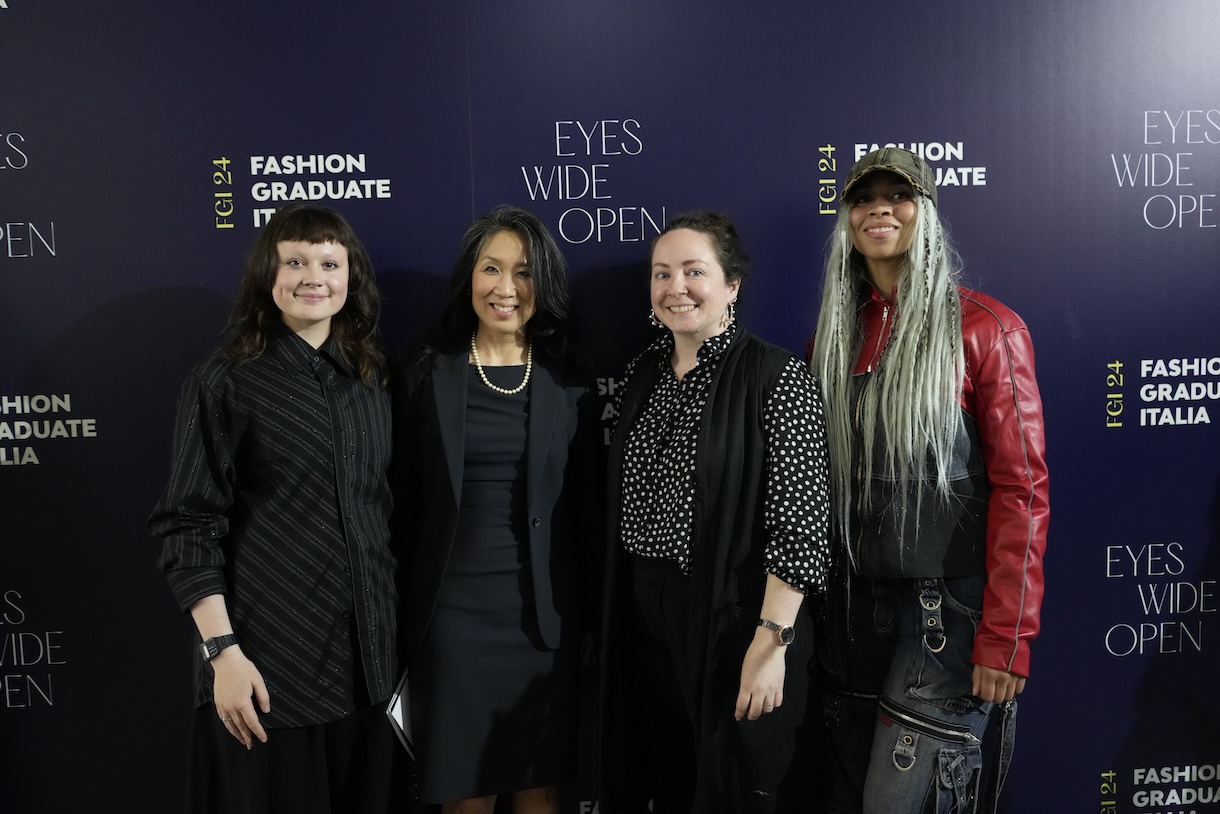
{"type": "Point", "coordinates": [211, 648]}
{"type": "Point", "coordinates": [785, 633]}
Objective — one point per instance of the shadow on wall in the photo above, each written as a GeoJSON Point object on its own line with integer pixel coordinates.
{"type": "Point", "coordinates": [1177, 710]}
{"type": "Point", "coordinates": [411, 303]}
{"type": "Point", "coordinates": [77, 553]}
{"type": "Point", "coordinates": [613, 304]}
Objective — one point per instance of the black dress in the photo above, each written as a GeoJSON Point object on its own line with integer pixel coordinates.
{"type": "Point", "coordinates": [493, 710]}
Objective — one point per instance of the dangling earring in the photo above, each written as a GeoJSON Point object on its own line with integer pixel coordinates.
{"type": "Point", "coordinates": [730, 314]}
{"type": "Point", "coordinates": [652, 318]}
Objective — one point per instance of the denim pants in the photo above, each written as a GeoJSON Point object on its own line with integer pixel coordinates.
{"type": "Point", "coordinates": [905, 734]}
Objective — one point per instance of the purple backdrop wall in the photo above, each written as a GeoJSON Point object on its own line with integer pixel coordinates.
{"type": "Point", "coordinates": [1079, 152]}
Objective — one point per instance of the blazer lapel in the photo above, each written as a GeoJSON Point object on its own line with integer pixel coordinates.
{"type": "Point", "coordinates": [449, 388]}
{"type": "Point", "coordinates": [545, 394]}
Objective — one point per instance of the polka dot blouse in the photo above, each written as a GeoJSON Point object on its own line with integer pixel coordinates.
{"type": "Point", "coordinates": [660, 457]}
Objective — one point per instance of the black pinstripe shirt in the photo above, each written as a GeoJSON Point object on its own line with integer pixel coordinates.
{"type": "Point", "coordinates": [278, 499]}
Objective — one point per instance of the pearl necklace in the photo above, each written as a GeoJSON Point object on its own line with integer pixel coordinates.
{"type": "Point", "coordinates": [529, 366]}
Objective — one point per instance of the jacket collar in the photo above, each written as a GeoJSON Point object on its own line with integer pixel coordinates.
{"type": "Point", "coordinates": [449, 377]}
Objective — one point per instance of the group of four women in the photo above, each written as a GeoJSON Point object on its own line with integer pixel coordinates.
{"type": "Point", "coordinates": [911, 437]}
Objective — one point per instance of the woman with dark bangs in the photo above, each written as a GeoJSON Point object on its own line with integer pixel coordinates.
{"type": "Point", "coordinates": [275, 529]}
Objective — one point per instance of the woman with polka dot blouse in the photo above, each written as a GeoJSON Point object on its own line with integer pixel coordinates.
{"type": "Point", "coordinates": [718, 532]}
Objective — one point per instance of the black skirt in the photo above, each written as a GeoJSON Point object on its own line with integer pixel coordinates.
{"type": "Point", "coordinates": [331, 768]}
{"type": "Point", "coordinates": [493, 709]}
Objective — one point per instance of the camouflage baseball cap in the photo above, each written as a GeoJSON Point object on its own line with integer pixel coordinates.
{"type": "Point", "coordinates": [895, 159]}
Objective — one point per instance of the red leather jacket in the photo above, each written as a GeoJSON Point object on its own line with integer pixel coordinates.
{"type": "Point", "coordinates": [1001, 394]}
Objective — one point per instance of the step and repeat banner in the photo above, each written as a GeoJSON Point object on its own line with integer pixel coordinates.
{"type": "Point", "coordinates": [1077, 150]}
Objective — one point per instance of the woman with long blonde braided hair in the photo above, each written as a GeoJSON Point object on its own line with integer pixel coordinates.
{"type": "Point", "coordinates": [939, 481]}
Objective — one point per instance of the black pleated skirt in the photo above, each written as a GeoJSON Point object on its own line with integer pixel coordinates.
{"type": "Point", "coordinates": [332, 768]}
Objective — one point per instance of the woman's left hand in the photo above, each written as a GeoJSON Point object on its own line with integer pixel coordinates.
{"type": "Point", "coordinates": [762, 677]}
{"type": "Point", "coordinates": [990, 684]}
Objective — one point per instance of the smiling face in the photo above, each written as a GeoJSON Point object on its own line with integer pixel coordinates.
{"type": "Point", "coordinates": [310, 286]}
{"type": "Point", "coordinates": [883, 216]}
{"type": "Point", "coordinates": [690, 293]}
{"type": "Point", "coordinates": [501, 288]}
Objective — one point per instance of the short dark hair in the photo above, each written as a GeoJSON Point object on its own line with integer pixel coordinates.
{"type": "Point", "coordinates": [722, 234]}
{"type": "Point", "coordinates": [552, 327]}
{"type": "Point", "coordinates": [255, 313]}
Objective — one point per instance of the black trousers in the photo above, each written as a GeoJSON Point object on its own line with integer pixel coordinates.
{"type": "Point", "coordinates": [765, 765]}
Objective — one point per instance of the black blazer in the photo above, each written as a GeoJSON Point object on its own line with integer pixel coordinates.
{"type": "Point", "coordinates": [563, 493]}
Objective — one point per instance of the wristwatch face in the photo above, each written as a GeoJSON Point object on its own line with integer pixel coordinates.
{"type": "Point", "coordinates": [211, 648]}
{"type": "Point", "coordinates": [787, 635]}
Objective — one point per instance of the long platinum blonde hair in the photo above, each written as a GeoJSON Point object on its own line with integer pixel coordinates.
{"type": "Point", "coordinates": [915, 389]}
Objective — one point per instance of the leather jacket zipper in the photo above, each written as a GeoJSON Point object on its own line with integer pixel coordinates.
{"type": "Point", "coordinates": [885, 318]}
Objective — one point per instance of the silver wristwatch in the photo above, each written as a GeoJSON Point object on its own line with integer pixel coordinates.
{"type": "Point", "coordinates": [785, 632]}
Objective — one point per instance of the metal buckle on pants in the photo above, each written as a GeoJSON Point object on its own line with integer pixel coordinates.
{"type": "Point", "coordinates": [905, 749]}
{"type": "Point", "coordinates": [915, 725]}
{"type": "Point", "coordinates": [929, 600]}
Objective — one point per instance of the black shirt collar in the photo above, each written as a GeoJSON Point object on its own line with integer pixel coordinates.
{"type": "Point", "coordinates": [712, 347]}
{"type": "Point", "coordinates": [295, 353]}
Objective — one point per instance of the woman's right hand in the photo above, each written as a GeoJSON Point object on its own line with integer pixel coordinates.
{"type": "Point", "coordinates": [237, 687]}
{"type": "Point", "coordinates": [762, 677]}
